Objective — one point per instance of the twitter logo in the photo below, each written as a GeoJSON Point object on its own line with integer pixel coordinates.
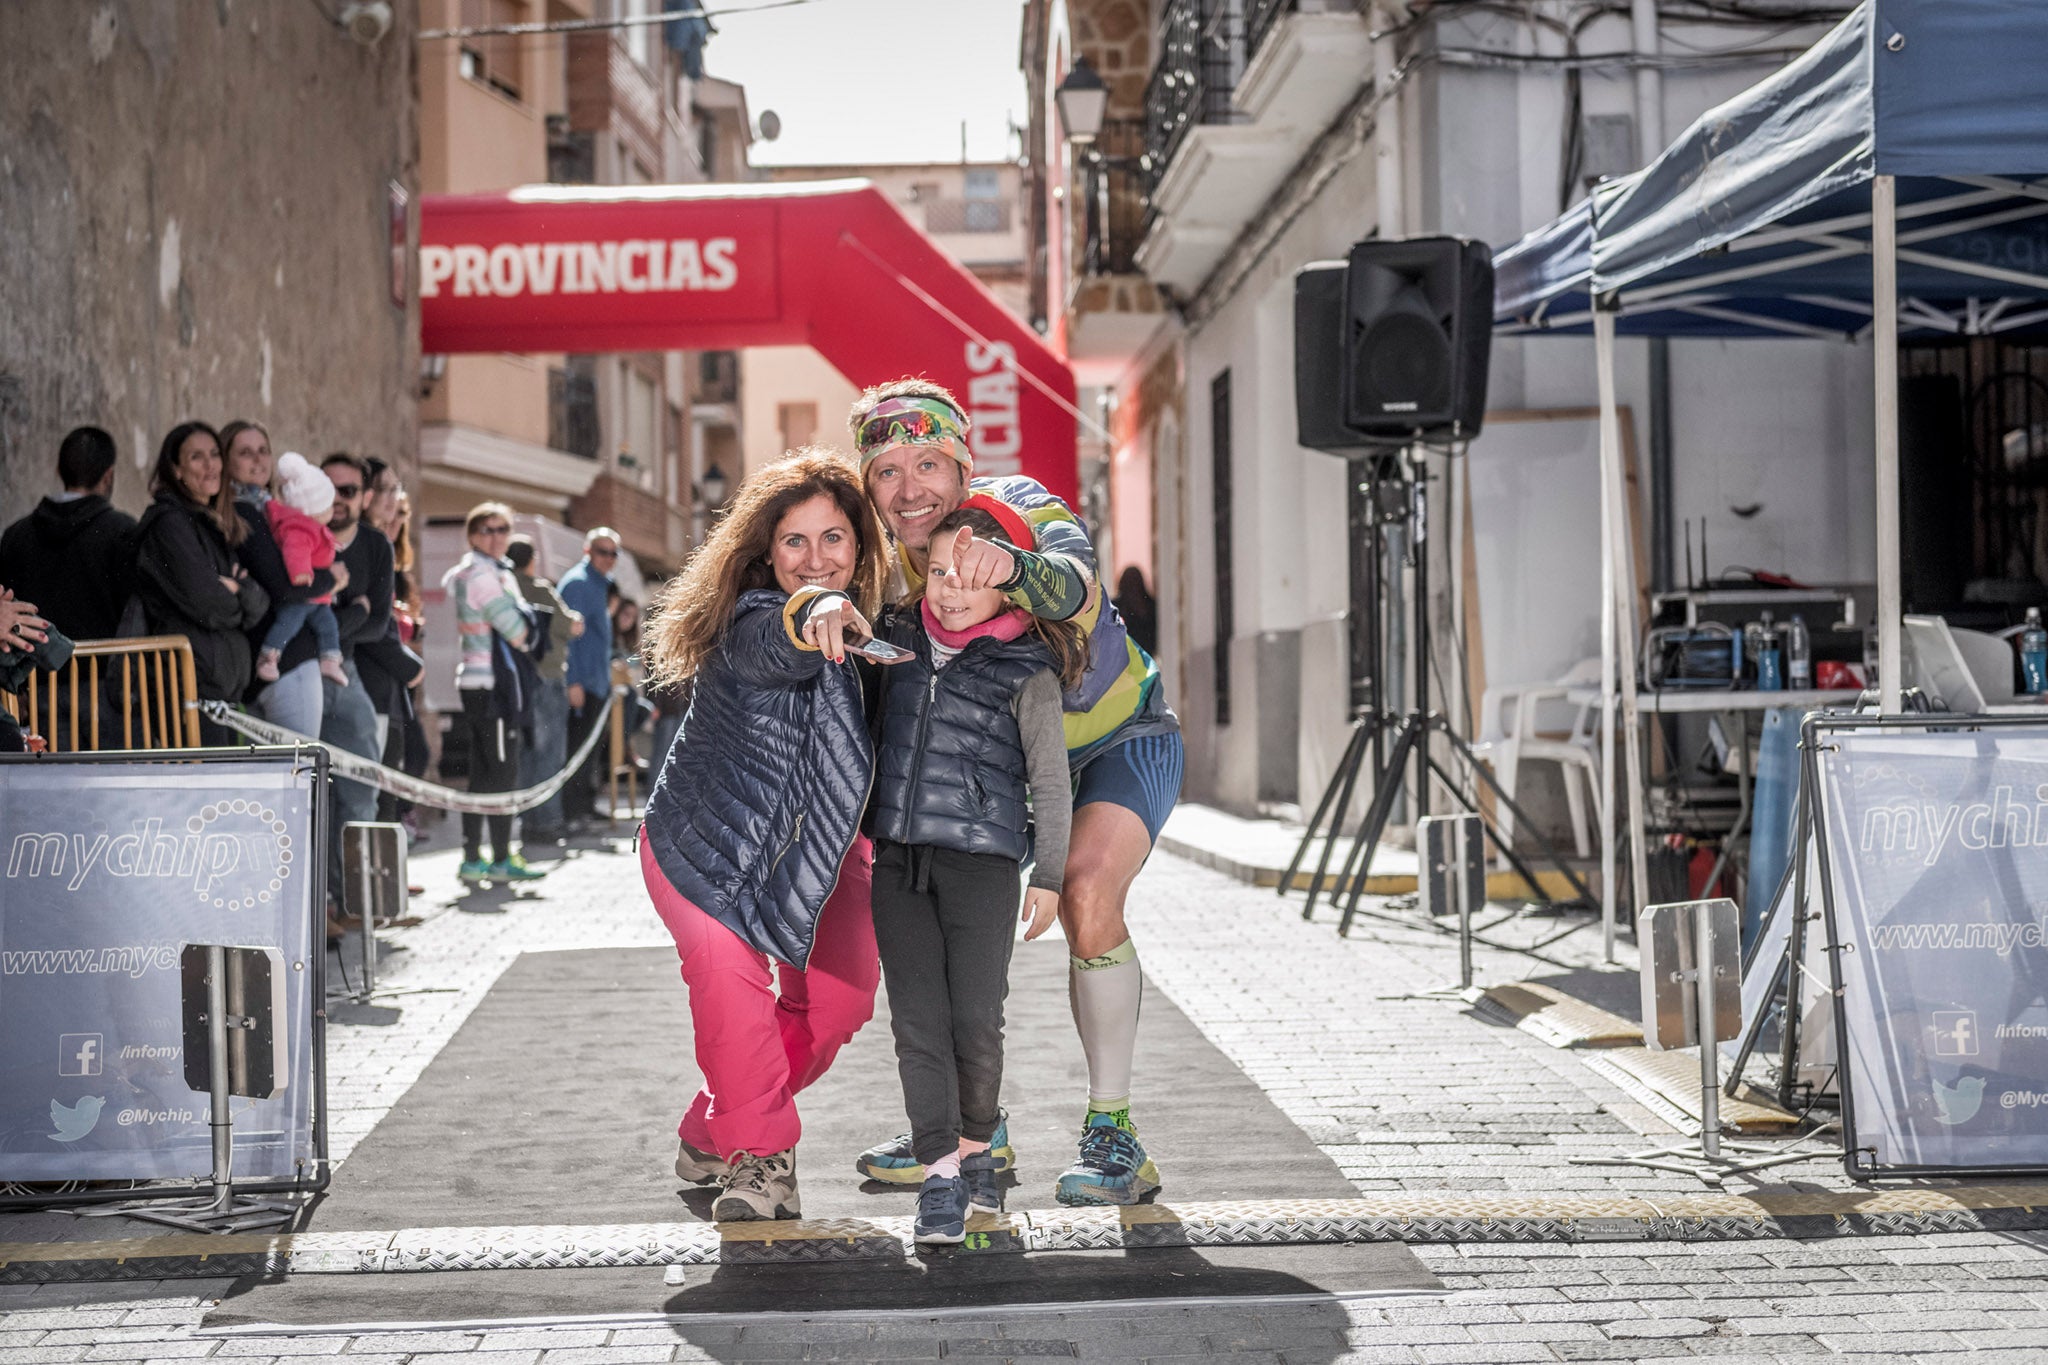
{"type": "Point", "coordinates": [73, 1122]}
{"type": "Point", "coordinates": [1957, 1103]}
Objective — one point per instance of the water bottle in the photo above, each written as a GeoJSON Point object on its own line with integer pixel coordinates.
{"type": "Point", "coordinates": [1798, 656]}
{"type": "Point", "coordinates": [2034, 655]}
{"type": "Point", "coordinates": [1770, 659]}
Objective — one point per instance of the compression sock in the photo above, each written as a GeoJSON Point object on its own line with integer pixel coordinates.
{"type": "Point", "coordinates": [1104, 993]}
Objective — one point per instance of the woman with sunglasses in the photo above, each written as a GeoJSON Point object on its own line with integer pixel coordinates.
{"type": "Point", "coordinates": [489, 609]}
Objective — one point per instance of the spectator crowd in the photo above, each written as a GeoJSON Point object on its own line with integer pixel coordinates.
{"type": "Point", "coordinates": [297, 584]}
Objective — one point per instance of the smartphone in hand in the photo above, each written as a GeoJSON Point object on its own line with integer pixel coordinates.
{"type": "Point", "coordinates": [881, 651]}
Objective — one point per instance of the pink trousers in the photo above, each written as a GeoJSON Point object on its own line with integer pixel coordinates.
{"type": "Point", "coordinates": [764, 1029]}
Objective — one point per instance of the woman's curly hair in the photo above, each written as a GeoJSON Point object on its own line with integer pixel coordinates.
{"type": "Point", "coordinates": [690, 612]}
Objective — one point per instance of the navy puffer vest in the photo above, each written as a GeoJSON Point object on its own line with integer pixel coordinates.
{"type": "Point", "coordinates": [949, 768]}
{"type": "Point", "coordinates": [762, 792]}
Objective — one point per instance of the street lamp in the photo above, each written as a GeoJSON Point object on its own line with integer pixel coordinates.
{"type": "Point", "coordinates": [1082, 99]}
{"type": "Point", "coordinates": [712, 485]}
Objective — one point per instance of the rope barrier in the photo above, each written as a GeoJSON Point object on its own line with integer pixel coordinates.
{"type": "Point", "coordinates": [405, 786]}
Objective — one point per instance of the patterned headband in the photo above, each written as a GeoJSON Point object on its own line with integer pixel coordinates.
{"type": "Point", "coordinates": [911, 421]}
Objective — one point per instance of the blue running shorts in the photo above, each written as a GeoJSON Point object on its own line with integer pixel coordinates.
{"type": "Point", "coordinates": [1142, 775]}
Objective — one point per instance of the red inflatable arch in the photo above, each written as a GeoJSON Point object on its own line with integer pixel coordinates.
{"type": "Point", "coordinates": [832, 264]}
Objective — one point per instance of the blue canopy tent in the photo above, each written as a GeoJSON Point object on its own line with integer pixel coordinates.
{"type": "Point", "coordinates": [1915, 135]}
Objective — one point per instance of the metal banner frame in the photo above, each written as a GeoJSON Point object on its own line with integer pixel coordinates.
{"type": "Point", "coordinates": [118, 1190]}
{"type": "Point", "coordinates": [1813, 743]}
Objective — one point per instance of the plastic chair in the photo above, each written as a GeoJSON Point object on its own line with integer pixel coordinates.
{"type": "Point", "coordinates": [1510, 735]}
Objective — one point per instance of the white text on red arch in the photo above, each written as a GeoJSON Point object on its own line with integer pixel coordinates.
{"type": "Point", "coordinates": [637, 266]}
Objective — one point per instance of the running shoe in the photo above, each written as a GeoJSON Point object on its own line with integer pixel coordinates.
{"type": "Point", "coordinates": [758, 1188]}
{"type": "Point", "coordinates": [983, 1194]}
{"type": "Point", "coordinates": [515, 869]}
{"type": "Point", "coordinates": [474, 870]}
{"type": "Point", "coordinates": [699, 1167]}
{"type": "Point", "coordinates": [1111, 1169]}
{"type": "Point", "coordinates": [941, 1211]}
{"type": "Point", "coordinates": [893, 1163]}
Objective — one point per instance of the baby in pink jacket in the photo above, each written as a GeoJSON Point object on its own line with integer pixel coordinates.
{"type": "Point", "coordinates": [298, 522]}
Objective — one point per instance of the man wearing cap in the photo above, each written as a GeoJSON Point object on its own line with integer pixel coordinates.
{"type": "Point", "coordinates": [1123, 747]}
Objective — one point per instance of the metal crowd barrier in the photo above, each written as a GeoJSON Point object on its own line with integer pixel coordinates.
{"type": "Point", "coordinates": [143, 691]}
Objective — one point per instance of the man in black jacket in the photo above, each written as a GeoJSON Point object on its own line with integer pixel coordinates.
{"type": "Point", "coordinates": [362, 609]}
{"type": "Point", "coordinates": [74, 555]}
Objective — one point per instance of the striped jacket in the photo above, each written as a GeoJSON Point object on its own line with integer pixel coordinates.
{"type": "Point", "coordinates": [486, 598]}
{"type": "Point", "coordinates": [1119, 697]}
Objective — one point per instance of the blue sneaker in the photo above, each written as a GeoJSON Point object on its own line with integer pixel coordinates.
{"type": "Point", "coordinates": [979, 1171]}
{"type": "Point", "coordinates": [941, 1211]}
{"type": "Point", "coordinates": [893, 1163]}
{"type": "Point", "coordinates": [1111, 1169]}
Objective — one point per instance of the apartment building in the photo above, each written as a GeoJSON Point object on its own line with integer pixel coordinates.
{"type": "Point", "coordinates": [622, 440]}
{"type": "Point", "coordinates": [1242, 139]}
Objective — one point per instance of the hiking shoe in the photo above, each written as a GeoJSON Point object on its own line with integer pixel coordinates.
{"type": "Point", "coordinates": [1111, 1169]}
{"type": "Point", "coordinates": [979, 1171]}
{"type": "Point", "coordinates": [515, 869]}
{"type": "Point", "coordinates": [474, 870]}
{"type": "Point", "coordinates": [699, 1167]}
{"type": "Point", "coordinates": [893, 1163]}
{"type": "Point", "coordinates": [941, 1211]}
{"type": "Point", "coordinates": [758, 1188]}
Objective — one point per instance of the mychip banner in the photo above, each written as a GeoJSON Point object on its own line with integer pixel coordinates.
{"type": "Point", "coordinates": [1935, 841]}
{"type": "Point", "coordinates": [106, 869]}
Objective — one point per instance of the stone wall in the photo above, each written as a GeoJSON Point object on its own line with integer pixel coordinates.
{"type": "Point", "coordinates": [1116, 38]}
{"type": "Point", "coordinates": [195, 216]}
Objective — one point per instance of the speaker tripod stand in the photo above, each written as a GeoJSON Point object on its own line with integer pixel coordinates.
{"type": "Point", "coordinates": [1393, 741]}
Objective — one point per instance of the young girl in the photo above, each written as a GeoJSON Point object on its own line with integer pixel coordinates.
{"type": "Point", "coordinates": [967, 731]}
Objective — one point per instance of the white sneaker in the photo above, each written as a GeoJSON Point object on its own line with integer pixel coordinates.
{"type": "Point", "coordinates": [759, 1187]}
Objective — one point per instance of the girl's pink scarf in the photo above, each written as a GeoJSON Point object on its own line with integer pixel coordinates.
{"type": "Point", "coordinates": [1004, 625]}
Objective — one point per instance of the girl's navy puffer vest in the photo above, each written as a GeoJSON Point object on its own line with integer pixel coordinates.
{"type": "Point", "coordinates": [762, 792]}
{"type": "Point", "coordinates": [949, 768]}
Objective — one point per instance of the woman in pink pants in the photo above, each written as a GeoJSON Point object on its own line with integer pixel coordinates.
{"type": "Point", "coordinates": [751, 849]}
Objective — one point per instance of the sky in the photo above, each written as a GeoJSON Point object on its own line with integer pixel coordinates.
{"type": "Point", "coordinates": [876, 80]}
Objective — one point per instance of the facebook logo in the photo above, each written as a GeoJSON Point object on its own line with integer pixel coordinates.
{"type": "Point", "coordinates": [79, 1054]}
{"type": "Point", "coordinates": [1955, 1033]}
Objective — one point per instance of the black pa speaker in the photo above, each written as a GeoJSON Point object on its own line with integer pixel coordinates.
{"type": "Point", "coordinates": [1319, 358]}
{"type": "Point", "coordinates": [1391, 344]}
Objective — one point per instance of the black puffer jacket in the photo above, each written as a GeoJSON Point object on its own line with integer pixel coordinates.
{"type": "Point", "coordinates": [180, 558]}
{"type": "Point", "coordinates": [761, 794]}
{"type": "Point", "coordinates": [944, 776]}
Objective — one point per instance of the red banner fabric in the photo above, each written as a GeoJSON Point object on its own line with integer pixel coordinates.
{"type": "Point", "coordinates": [832, 264]}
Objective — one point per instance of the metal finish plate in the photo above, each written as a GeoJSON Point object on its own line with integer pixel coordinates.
{"type": "Point", "coordinates": [1403, 1218]}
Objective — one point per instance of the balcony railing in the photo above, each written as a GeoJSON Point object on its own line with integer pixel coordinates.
{"type": "Point", "coordinates": [966, 215]}
{"type": "Point", "coordinates": [1201, 55]}
{"type": "Point", "coordinates": [718, 377]}
{"type": "Point", "coordinates": [1259, 18]}
{"type": "Point", "coordinates": [1116, 182]}
{"type": "Point", "coordinates": [572, 413]}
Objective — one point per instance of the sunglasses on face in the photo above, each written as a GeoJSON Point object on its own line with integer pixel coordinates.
{"type": "Point", "coordinates": [899, 423]}
{"type": "Point", "coordinates": [347, 490]}
{"type": "Point", "coordinates": [494, 530]}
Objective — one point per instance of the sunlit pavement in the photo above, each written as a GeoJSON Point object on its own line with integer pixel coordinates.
{"type": "Point", "coordinates": [1405, 1095]}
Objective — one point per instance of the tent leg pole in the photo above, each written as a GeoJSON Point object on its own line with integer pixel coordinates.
{"type": "Point", "coordinates": [1603, 343]}
{"type": "Point", "coordinates": [1884, 341]}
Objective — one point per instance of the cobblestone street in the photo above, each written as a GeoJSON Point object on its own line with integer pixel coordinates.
{"type": "Point", "coordinates": [1407, 1095]}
